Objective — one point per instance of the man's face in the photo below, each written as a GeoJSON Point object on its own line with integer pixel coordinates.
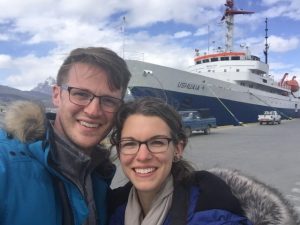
{"type": "Point", "coordinates": [86, 125]}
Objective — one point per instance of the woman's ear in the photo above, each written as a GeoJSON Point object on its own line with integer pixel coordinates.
{"type": "Point", "coordinates": [179, 148]}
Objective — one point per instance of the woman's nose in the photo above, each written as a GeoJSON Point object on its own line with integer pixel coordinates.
{"type": "Point", "coordinates": [144, 153]}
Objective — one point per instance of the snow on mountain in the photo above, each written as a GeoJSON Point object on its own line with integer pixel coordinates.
{"type": "Point", "coordinates": [46, 86]}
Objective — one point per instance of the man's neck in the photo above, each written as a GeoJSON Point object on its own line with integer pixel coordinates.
{"type": "Point", "coordinates": [59, 133]}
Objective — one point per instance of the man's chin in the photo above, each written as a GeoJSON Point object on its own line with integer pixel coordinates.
{"type": "Point", "coordinates": [85, 144]}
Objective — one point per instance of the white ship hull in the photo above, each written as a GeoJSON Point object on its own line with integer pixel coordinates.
{"type": "Point", "coordinates": [230, 103]}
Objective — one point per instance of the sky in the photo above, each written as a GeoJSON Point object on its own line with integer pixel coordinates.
{"type": "Point", "coordinates": [37, 35]}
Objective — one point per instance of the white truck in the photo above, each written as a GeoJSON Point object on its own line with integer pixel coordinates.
{"type": "Point", "coordinates": [269, 117]}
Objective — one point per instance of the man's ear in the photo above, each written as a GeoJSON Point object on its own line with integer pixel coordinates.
{"type": "Point", "coordinates": [56, 95]}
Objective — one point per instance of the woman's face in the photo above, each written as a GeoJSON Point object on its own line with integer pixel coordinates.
{"type": "Point", "coordinates": [146, 170]}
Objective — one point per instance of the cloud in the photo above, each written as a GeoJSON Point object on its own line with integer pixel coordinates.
{"type": "Point", "coordinates": [5, 61]}
{"type": "Point", "coordinates": [160, 49]}
{"type": "Point", "coordinates": [278, 69]}
{"type": "Point", "coordinates": [273, 2]}
{"type": "Point", "coordinates": [4, 37]}
{"type": "Point", "coordinates": [147, 13]}
{"type": "Point", "coordinates": [182, 34]}
{"type": "Point", "coordinates": [26, 72]}
{"type": "Point", "coordinates": [279, 44]}
{"type": "Point", "coordinates": [284, 8]}
{"type": "Point", "coordinates": [202, 31]}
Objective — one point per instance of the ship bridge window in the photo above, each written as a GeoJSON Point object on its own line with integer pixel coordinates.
{"type": "Point", "coordinates": [224, 58]}
{"type": "Point", "coordinates": [198, 62]}
{"type": "Point", "coordinates": [214, 59]}
{"type": "Point", "coordinates": [265, 81]}
{"type": "Point", "coordinates": [205, 60]}
{"type": "Point", "coordinates": [253, 57]}
{"type": "Point", "coordinates": [235, 57]}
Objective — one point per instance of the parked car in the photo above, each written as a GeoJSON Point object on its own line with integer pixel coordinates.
{"type": "Point", "coordinates": [269, 117]}
{"type": "Point", "coordinates": [197, 120]}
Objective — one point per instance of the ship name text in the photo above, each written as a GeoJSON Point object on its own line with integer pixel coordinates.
{"type": "Point", "coordinates": [188, 85]}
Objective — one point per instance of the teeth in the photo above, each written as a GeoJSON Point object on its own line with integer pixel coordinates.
{"type": "Point", "coordinates": [144, 171]}
{"type": "Point", "coordinates": [90, 125]}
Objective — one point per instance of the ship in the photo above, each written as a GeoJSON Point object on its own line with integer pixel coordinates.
{"type": "Point", "coordinates": [234, 85]}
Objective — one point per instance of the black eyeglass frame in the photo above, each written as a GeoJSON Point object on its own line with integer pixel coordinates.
{"type": "Point", "coordinates": [101, 97]}
{"type": "Point", "coordinates": [143, 142]}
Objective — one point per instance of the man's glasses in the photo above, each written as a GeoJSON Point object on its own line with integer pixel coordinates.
{"type": "Point", "coordinates": [83, 98]}
{"type": "Point", "coordinates": [154, 145]}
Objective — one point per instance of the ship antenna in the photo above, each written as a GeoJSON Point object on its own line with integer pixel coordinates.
{"type": "Point", "coordinates": [123, 33]}
{"type": "Point", "coordinates": [266, 44]}
{"type": "Point", "coordinates": [208, 31]}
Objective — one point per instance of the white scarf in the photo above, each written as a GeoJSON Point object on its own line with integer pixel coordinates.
{"type": "Point", "coordinates": [159, 207]}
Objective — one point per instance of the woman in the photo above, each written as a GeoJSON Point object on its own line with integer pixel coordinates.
{"type": "Point", "coordinates": [164, 189]}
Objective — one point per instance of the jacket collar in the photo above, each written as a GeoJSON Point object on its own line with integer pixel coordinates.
{"type": "Point", "coordinates": [61, 156]}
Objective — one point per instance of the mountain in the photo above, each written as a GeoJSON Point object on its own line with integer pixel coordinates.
{"type": "Point", "coordinates": [9, 94]}
{"type": "Point", "coordinates": [45, 87]}
{"type": "Point", "coordinates": [41, 93]}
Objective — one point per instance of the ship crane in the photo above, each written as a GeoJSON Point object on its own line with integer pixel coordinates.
{"type": "Point", "coordinates": [228, 16]}
{"type": "Point", "coordinates": [293, 84]}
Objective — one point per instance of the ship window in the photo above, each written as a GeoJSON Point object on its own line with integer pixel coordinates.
{"type": "Point", "coordinates": [237, 70]}
{"type": "Point", "coordinates": [224, 58]}
{"type": "Point", "coordinates": [205, 60]}
{"type": "Point", "coordinates": [265, 81]}
{"type": "Point", "coordinates": [235, 58]}
{"type": "Point", "coordinates": [208, 70]}
{"type": "Point", "coordinates": [225, 70]}
{"type": "Point", "coordinates": [253, 57]}
{"type": "Point", "coordinates": [214, 59]}
{"type": "Point", "coordinates": [198, 62]}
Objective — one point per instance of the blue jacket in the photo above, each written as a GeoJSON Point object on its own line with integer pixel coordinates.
{"type": "Point", "coordinates": [206, 200]}
{"type": "Point", "coordinates": [28, 187]}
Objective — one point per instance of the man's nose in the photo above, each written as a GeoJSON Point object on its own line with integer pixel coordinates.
{"type": "Point", "coordinates": [94, 107]}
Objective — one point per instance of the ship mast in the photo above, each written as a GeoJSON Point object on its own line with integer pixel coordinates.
{"type": "Point", "coordinates": [123, 33]}
{"type": "Point", "coordinates": [266, 44]}
{"type": "Point", "coordinates": [229, 20]}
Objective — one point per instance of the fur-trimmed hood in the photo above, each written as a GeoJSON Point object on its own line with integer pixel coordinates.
{"type": "Point", "coordinates": [263, 205]}
{"type": "Point", "coordinates": [25, 120]}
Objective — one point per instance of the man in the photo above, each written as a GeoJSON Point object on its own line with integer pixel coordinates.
{"type": "Point", "coordinates": [53, 171]}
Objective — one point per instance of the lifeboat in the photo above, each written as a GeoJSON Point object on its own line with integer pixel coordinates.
{"type": "Point", "coordinates": [293, 84]}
